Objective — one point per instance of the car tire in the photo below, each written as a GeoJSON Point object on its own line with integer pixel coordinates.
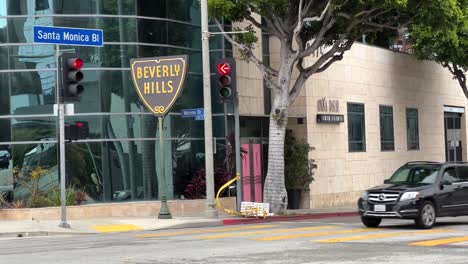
{"type": "Point", "coordinates": [371, 221]}
{"type": "Point", "coordinates": [427, 216]}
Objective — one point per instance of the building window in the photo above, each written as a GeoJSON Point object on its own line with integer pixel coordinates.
{"type": "Point", "coordinates": [356, 128]}
{"type": "Point", "coordinates": [412, 128]}
{"type": "Point", "coordinates": [387, 138]}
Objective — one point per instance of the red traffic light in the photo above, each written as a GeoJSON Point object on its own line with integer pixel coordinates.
{"type": "Point", "coordinates": [78, 63]}
{"type": "Point", "coordinates": [224, 68]}
{"type": "Point", "coordinates": [79, 124]}
{"type": "Point", "coordinates": [75, 63]}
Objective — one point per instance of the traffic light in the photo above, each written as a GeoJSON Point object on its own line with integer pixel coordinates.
{"type": "Point", "coordinates": [226, 79]}
{"type": "Point", "coordinates": [70, 65]}
{"type": "Point", "coordinates": [76, 130]}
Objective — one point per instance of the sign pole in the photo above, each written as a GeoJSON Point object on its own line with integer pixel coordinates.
{"type": "Point", "coordinates": [210, 209]}
{"type": "Point", "coordinates": [61, 141]}
{"type": "Point", "coordinates": [164, 212]}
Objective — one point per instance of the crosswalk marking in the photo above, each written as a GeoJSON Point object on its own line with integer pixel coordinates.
{"type": "Point", "coordinates": [438, 242]}
{"type": "Point", "coordinates": [348, 231]}
{"type": "Point", "coordinates": [374, 236]}
{"type": "Point", "coordinates": [214, 230]}
{"type": "Point", "coordinates": [267, 232]}
{"type": "Point", "coordinates": [116, 228]}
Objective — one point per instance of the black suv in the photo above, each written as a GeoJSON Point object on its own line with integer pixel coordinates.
{"type": "Point", "coordinates": [419, 190]}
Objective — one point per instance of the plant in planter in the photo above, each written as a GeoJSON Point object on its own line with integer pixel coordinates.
{"type": "Point", "coordinates": [196, 189]}
{"type": "Point", "coordinates": [299, 169]}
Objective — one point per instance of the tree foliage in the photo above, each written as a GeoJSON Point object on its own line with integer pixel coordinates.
{"type": "Point", "coordinates": [444, 39]}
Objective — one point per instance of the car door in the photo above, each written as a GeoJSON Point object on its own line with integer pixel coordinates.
{"type": "Point", "coordinates": [446, 197]}
{"type": "Point", "coordinates": [461, 191]}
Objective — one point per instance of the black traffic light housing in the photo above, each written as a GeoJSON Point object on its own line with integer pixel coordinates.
{"type": "Point", "coordinates": [226, 79]}
{"type": "Point", "coordinates": [71, 76]}
{"type": "Point", "coordinates": [76, 130]}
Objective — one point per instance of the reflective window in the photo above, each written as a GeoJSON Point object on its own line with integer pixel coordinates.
{"type": "Point", "coordinates": [75, 7]}
{"type": "Point", "coordinates": [32, 92]}
{"type": "Point", "coordinates": [4, 94]}
{"type": "Point", "coordinates": [33, 129]}
{"type": "Point", "coordinates": [5, 131]}
{"type": "Point", "coordinates": [387, 139]}
{"type": "Point", "coordinates": [20, 30]}
{"type": "Point", "coordinates": [356, 128]}
{"type": "Point", "coordinates": [125, 165]}
{"type": "Point", "coordinates": [34, 57]}
{"type": "Point", "coordinates": [412, 129]}
{"type": "Point", "coordinates": [30, 7]}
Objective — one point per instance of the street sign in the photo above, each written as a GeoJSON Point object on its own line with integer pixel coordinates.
{"type": "Point", "coordinates": [198, 113]}
{"type": "Point", "coordinates": [68, 36]}
{"type": "Point", "coordinates": [159, 81]}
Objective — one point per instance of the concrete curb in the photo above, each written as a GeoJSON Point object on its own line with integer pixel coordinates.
{"type": "Point", "coordinates": [40, 234]}
{"type": "Point", "coordinates": [282, 218]}
{"type": "Point", "coordinates": [214, 223]}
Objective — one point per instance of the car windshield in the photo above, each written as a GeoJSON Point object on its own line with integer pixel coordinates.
{"type": "Point", "coordinates": [415, 174]}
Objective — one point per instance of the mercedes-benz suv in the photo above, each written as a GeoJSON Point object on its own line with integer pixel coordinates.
{"type": "Point", "coordinates": [419, 190]}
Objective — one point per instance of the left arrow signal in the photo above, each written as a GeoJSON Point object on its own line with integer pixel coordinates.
{"type": "Point", "coordinates": [224, 68]}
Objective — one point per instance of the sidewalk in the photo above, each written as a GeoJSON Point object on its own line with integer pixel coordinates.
{"type": "Point", "coordinates": [25, 228]}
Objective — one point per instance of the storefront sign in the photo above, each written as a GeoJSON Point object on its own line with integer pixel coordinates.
{"type": "Point", "coordinates": [330, 119]}
{"type": "Point", "coordinates": [159, 81]}
{"type": "Point", "coordinates": [324, 105]}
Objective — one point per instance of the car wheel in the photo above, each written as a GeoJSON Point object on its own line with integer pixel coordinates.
{"type": "Point", "coordinates": [427, 216]}
{"type": "Point", "coordinates": [371, 221]}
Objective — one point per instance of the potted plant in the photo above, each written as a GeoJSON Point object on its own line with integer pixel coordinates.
{"type": "Point", "coordinates": [299, 169]}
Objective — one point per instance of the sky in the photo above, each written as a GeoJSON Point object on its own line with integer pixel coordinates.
{"type": "Point", "coordinates": [3, 10]}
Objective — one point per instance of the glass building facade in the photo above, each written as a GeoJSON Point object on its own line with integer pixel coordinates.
{"type": "Point", "coordinates": [119, 160]}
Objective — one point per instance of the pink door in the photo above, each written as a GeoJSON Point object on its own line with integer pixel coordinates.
{"type": "Point", "coordinates": [252, 173]}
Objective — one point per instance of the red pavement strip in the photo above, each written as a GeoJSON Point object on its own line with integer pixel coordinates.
{"type": "Point", "coordinates": [281, 218]}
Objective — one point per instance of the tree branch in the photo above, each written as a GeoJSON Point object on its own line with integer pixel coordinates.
{"type": "Point", "coordinates": [317, 18]}
{"type": "Point", "coordinates": [297, 87]}
{"type": "Point", "coordinates": [255, 22]}
{"type": "Point", "coordinates": [267, 72]}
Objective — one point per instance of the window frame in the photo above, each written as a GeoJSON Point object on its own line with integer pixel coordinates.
{"type": "Point", "coordinates": [363, 118]}
{"type": "Point", "coordinates": [408, 141]}
{"type": "Point", "coordinates": [381, 130]}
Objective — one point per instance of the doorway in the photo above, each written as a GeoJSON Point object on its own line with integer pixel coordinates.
{"type": "Point", "coordinates": [253, 169]}
{"type": "Point", "coordinates": [453, 142]}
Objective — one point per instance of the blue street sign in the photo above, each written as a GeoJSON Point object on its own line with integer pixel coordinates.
{"type": "Point", "coordinates": [198, 113]}
{"type": "Point", "coordinates": [68, 36]}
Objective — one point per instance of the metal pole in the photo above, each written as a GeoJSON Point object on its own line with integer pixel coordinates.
{"type": "Point", "coordinates": [61, 140]}
{"type": "Point", "coordinates": [238, 153]}
{"type": "Point", "coordinates": [164, 212]}
{"type": "Point", "coordinates": [210, 209]}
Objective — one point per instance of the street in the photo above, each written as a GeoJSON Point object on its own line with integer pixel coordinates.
{"type": "Point", "coordinates": [332, 240]}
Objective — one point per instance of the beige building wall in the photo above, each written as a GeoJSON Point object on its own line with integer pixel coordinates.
{"type": "Point", "coordinates": [249, 79]}
{"type": "Point", "coordinates": [375, 76]}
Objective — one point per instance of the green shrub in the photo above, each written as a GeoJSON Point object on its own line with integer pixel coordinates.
{"type": "Point", "coordinates": [298, 169]}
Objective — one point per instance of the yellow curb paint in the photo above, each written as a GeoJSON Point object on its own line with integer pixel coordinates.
{"type": "Point", "coordinates": [116, 228]}
{"type": "Point", "coordinates": [192, 232]}
{"type": "Point", "coordinates": [438, 242]}
{"type": "Point", "coordinates": [349, 231]}
{"type": "Point", "coordinates": [375, 236]}
{"type": "Point", "coordinates": [266, 232]}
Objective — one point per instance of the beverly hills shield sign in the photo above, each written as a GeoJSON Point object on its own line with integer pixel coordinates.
{"type": "Point", "coordinates": [159, 81]}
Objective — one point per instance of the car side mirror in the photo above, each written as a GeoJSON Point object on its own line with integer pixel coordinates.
{"type": "Point", "coordinates": [443, 183]}
{"type": "Point", "coordinates": [386, 181]}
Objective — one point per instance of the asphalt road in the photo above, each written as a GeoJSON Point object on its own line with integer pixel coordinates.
{"type": "Point", "coordinates": [333, 240]}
